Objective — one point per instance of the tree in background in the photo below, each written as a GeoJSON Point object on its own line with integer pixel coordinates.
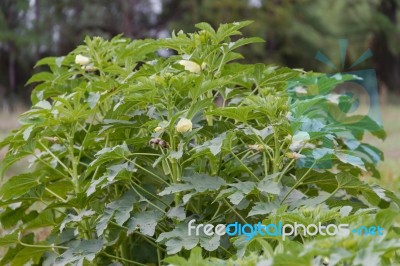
{"type": "Point", "coordinates": [294, 30]}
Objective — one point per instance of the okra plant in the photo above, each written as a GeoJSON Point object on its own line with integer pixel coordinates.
{"type": "Point", "coordinates": [129, 140]}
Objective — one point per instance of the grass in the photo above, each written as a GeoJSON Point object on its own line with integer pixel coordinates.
{"type": "Point", "coordinates": [390, 167]}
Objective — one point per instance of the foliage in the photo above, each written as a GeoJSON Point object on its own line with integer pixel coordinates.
{"type": "Point", "coordinates": [295, 29]}
{"type": "Point", "coordinates": [128, 146]}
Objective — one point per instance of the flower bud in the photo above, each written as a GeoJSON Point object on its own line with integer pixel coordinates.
{"type": "Point", "coordinates": [89, 68]}
{"type": "Point", "coordinates": [294, 155]}
{"type": "Point", "coordinates": [256, 147]}
{"type": "Point", "coordinates": [158, 129]}
{"type": "Point", "coordinates": [190, 66]}
{"type": "Point", "coordinates": [82, 60]}
{"type": "Point", "coordinates": [184, 125]}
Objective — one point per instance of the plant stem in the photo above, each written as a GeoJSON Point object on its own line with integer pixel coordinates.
{"type": "Point", "coordinates": [55, 194]}
{"type": "Point", "coordinates": [150, 194]}
{"type": "Point", "coordinates": [149, 202]}
{"type": "Point", "coordinates": [247, 169]}
{"type": "Point", "coordinates": [122, 259]}
{"type": "Point", "coordinates": [297, 183]}
{"type": "Point", "coordinates": [55, 157]}
{"type": "Point", "coordinates": [285, 170]}
{"type": "Point", "coordinates": [158, 257]}
{"type": "Point", "coordinates": [276, 154]}
{"type": "Point", "coordinates": [147, 171]}
{"type": "Point", "coordinates": [229, 205]}
{"type": "Point", "coordinates": [42, 246]}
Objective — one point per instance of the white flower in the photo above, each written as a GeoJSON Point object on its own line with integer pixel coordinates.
{"type": "Point", "coordinates": [300, 90]}
{"type": "Point", "coordinates": [82, 60]}
{"type": "Point", "coordinates": [184, 125]}
{"type": "Point", "coordinates": [190, 66]}
{"type": "Point", "coordinates": [334, 98]}
{"type": "Point", "coordinates": [158, 129]}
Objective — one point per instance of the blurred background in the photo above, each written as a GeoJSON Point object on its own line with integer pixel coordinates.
{"type": "Point", "coordinates": [294, 30]}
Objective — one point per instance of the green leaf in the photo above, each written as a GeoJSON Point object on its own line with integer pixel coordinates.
{"type": "Point", "coordinates": [230, 29]}
{"type": "Point", "coordinates": [39, 77]}
{"type": "Point", "coordinates": [176, 261]}
{"type": "Point", "coordinates": [269, 186]}
{"type": "Point", "coordinates": [51, 61]}
{"type": "Point", "coordinates": [263, 133]}
{"type": "Point", "coordinates": [27, 133]}
{"type": "Point", "coordinates": [241, 190]}
{"type": "Point", "coordinates": [12, 158]}
{"type": "Point", "coordinates": [45, 218]}
{"type": "Point", "coordinates": [145, 221]}
{"type": "Point", "coordinates": [214, 145]}
{"type": "Point", "coordinates": [244, 41]}
{"type": "Point", "coordinates": [237, 113]}
{"type": "Point", "coordinates": [93, 99]}
{"type": "Point", "coordinates": [70, 218]}
{"type": "Point", "coordinates": [262, 208]}
{"type": "Point", "coordinates": [206, 27]}
{"type": "Point", "coordinates": [79, 251]}
{"type": "Point", "coordinates": [197, 107]}
{"type": "Point", "coordinates": [27, 254]}
{"type": "Point", "coordinates": [18, 185]}
{"type": "Point", "coordinates": [10, 239]}
{"type": "Point", "coordinates": [198, 182]}
{"type": "Point", "coordinates": [120, 209]}
{"type": "Point", "coordinates": [109, 154]}
{"type": "Point", "coordinates": [373, 193]}
{"type": "Point", "coordinates": [350, 159]}
{"type": "Point", "coordinates": [177, 213]}
{"type": "Point", "coordinates": [178, 238]}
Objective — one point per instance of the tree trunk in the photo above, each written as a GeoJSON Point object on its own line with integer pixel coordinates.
{"type": "Point", "coordinates": [386, 63]}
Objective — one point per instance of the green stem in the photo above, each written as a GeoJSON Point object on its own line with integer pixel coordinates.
{"type": "Point", "coordinates": [55, 157]}
{"type": "Point", "coordinates": [149, 202]}
{"type": "Point", "coordinates": [48, 165]}
{"type": "Point", "coordinates": [285, 170]}
{"type": "Point", "coordinates": [241, 218]}
{"type": "Point", "coordinates": [265, 163]}
{"type": "Point", "coordinates": [247, 169]}
{"type": "Point", "coordinates": [122, 259]}
{"type": "Point", "coordinates": [55, 194]}
{"type": "Point", "coordinates": [276, 153]}
{"type": "Point", "coordinates": [42, 246]}
{"type": "Point", "coordinates": [74, 161]}
{"type": "Point", "coordinates": [87, 134]}
{"type": "Point", "coordinates": [150, 194]}
{"type": "Point", "coordinates": [217, 211]}
{"type": "Point", "coordinates": [158, 257]}
{"type": "Point", "coordinates": [333, 193]}
{"type": "Point", "coordinates": [298, 183]}
{"type": "Point", "coordinates": [147, 171]}
{"type": "Point", "coordinates": [150, 241]}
